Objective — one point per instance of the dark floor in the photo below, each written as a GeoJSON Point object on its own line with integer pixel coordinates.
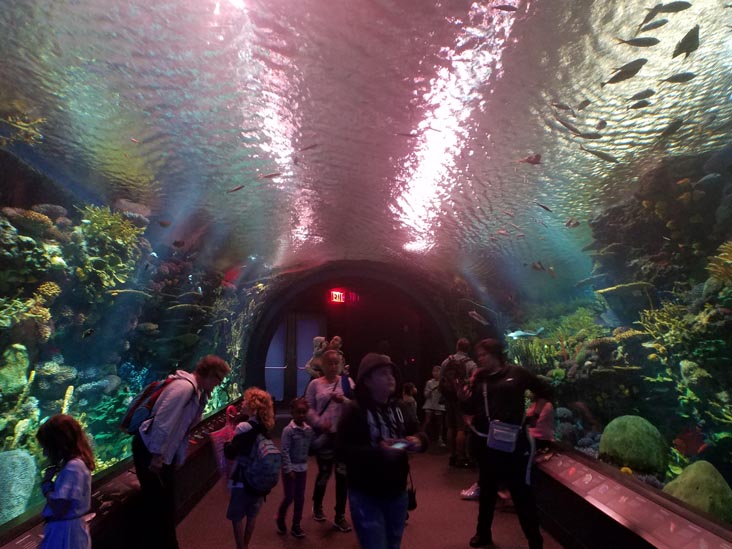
{"type": "Point", "coordinates": [441, 521]}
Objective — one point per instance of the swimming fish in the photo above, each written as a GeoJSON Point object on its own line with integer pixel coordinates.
{"type": "Point", "coordinates": [547, 208]}
{"type": "Point", "coordinates": [601, 125]}
{"type": "Point", "coordinates": [567, 125]}
{"type": "Point", "coordinates": [87, 333]}
{"type": "Point", "coordinates": [674, 7]}
{"type": "Point", "coordinates": [237, 188]}
{"type": "Point", "coordinates": [672, 128]}
{"type": "Point", "coordinates": [652, 12]}
{"type": "Point", "coordinates": [645, 94]}
{"type": "Point", "coordinates": [590, 135]}
{"type": "Point", "coordinates": [270, 175]}
{"type": "Point", "coordinates": [521, 333]}
{"type": "Point", "coordinates": [537, 266]}
{"type": "Point", "coordinates": [551, 272]}
{"type": "Point", "coordinates": [505, 7]}
{"type": "Point", "coordinates": [532, 159]}
{"type": "Point", "coordinates": [641, 42]}
{"type": "Point", "coordinates": [309, 147]}
{"type": "Point", "coordinates": [640, 104]}
{"type": "Point", "coordinates": [571, 223]}
{"type": "Point", "coordinates": [679, 78]}
{"type": "Point", "coordinates": [653, 25]}
{"type": "Point", "coordinates": [475, 315]}
{"type": "Point", "coordinates": [164, 223]}
{"type": "Point", "coordinates": [179, 243]}
{"type": "Point", "coordinates": [582, 104]}
{"type": "Point", "coordinates": [627, 71]}
{"type": "Point", "coordinates": [599, 154]}
{"type": "Point", "coordinates": [688, 44]}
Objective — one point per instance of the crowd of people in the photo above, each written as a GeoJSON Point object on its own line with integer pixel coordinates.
{"type": "Point", "coordinates": [359, 431]}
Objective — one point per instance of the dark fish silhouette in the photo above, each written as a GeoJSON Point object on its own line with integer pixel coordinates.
{"type": "Point", "coordinates": [642, 42]}
{"type": "Point", "coordinates": [179, 243]}
{"type": "Point", "coordinates": [674, 7]}
{"type": "Point", "coordinates": [582, 105]}
{"type": "Point", "coordinates": [87, 333]}
{"type": "Point", "coordinates": [625, 72]}
{"type": "Point", "coordinates": [672, 128]}
{"type": "Point", "coordinates": [601, 125]}
{"type": "Point", "coordinates": [531, 159]}
{"type": "Point", "coordinates": [505, 7]}
{"type": "Point", "coordinates": [651, 15]}
{"type": "Point", "coordinates": [563, 107]}
{"type": "Point", "coordinates": [679, 78]}
{"type": "Point", "coordinates": [653, 25]}
{"type": "Point", "coordinates": [590, 135]}
{"type": "Point", "coordinates": [309, 147]}
{"type": "Point", "coordinates": [640, 104]}
{"type": "Point", "coordinates": [547, 208]}
{"type": "Point", "coordinates": [689, 43]}
{"type": "Point", "coordinates": [599, 154]}
{"type": "Point", "coordinates": [567, 125]}
{"type": "Point", "coordinates": [237, 188]}
{"type": "Point", "coordinates": [645, 94]}
{"type": "Point", "coordinates": [164, 223]}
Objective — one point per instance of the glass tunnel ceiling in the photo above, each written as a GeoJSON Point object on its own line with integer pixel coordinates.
{"type": "Point", "coordinates": [294, 133]}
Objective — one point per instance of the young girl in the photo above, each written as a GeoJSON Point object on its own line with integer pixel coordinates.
{"type": "Point", "coordinates": [257, 404]}
{"type": "Point", "coordinates": [68, 495]}
{"type": "Point", "coordinates": [434, 409]}
{"type": "Point", "coordinates": [296, 440]}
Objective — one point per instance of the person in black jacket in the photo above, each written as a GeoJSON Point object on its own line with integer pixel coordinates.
{"type": "Point", "coordinates": [497, 393]}
{"type": "Point", "coordinates": [373, 440]}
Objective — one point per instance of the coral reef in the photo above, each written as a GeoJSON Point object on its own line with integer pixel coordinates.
{"type": "Point", "coordinates": [720, 265]}
{"type": "Point", "coordinates": [632, 441]}
{"type": "Point", "coordinates": [17, 477]}
{"type": "Point", "coordinates": [702, 487]}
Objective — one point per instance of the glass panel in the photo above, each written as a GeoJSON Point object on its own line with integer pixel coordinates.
{"type": "Point", "coordinates": [274, 365]}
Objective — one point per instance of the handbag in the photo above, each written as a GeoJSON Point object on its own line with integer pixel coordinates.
{"type": "Point", "coordinates": [501, 436]}
{"type": "Point", "coordinates": [411, 494]}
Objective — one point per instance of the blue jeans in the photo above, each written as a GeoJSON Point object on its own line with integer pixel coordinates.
{"type": "Point", "coordinates": [379, 522]}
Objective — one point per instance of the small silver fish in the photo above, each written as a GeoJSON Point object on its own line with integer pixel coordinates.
{"type": "Point", "coordinates": [642, 42]}
{"type": "Point", "coordinates": [645, 94]}
{"type": "Point", "coordinates": [672, 128]}
{"type": "Point", "coordinates": [674, 7]}
{"type": "Point", "coordinates": [653, 25]}
{"type": "Point", "coordinates": [679, 78]}
{"type": "Point", "coordinates": [640, 104]}
{"type": "Point", "coordinates": [475, 315]}
{"type": "Point", "coordinates": [600, 154]}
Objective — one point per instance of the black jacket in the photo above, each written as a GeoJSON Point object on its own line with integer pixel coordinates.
{"type": "Point", "coordinates": [505, 392]}
{"type": "Point", "coordinates": [372, 469]}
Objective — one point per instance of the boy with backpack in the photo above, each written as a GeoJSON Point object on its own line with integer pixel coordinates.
{"type": "Point", "coordinates": [455, 372]}
{"type": "Point", "coordinates": [258, 463]}
{"type": "Point", "coordinates": [161, 442]}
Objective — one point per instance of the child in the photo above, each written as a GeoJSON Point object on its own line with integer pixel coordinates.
{"type": "Point", "coordinates": [434, 409]}
{"type": "Point", "coordinates": [408, 403]}
{"type": "Point", "coordinates": [258, 405]}
{"type": "Point", "coordinates": [540, 419]}
{"type": "Point", "coordinates": [296, 440]}
{"type": "Point", "coordinates": [68, 497]}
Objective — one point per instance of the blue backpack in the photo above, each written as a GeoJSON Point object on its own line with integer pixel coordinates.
{"type": "Point", "coordinates": [261, 468]}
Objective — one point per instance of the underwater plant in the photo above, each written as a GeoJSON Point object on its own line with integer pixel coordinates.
{"type": "Point", "coordinates": [720, 265]}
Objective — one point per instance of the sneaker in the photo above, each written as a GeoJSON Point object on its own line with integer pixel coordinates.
{"type": "Point", "coordinates": [471, 493]}
{"type": "Point", "coordinates": [340, 523]}
{"type": "Point", "coordinates": [281, 526]}
{"type": "Point", "coordinates": [480, 541]}
{"type": "Point", "coordinates": [297, 532]}
{"type": "Point", "coordinates": [318, 514]}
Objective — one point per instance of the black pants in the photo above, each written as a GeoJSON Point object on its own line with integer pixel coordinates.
{"type": "Point", "coordinates": [157, 500]}
{"type": "Point", "coordinates": [326, 463]}
{"type": "Point", "coordinates": [509, 470]}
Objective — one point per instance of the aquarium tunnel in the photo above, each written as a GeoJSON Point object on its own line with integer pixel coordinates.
{"type": "Point", "coordinates": [239, 177]}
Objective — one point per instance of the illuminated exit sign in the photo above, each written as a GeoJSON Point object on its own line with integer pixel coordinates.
{"type": "Point", "coordinates": [342, 295]}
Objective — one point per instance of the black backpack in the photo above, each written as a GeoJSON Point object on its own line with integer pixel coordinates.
{"type": "Point", "coordinates": [454, 376]}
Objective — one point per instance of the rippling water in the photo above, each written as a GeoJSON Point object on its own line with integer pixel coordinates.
{"type": "Point", "coordinates": [362, 129]}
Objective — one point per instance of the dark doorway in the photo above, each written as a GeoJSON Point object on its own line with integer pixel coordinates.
{"type": "Point", "coordinates": [370, 315]}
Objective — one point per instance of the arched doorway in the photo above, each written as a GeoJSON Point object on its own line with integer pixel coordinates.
{"type": "Point", "coordinates": [382, 308]}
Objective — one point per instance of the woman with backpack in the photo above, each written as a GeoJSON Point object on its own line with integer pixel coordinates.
{"type": "Point", "coordinates": [245, 500]}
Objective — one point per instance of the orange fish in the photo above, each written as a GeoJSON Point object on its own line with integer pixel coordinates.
{"type": "Point", "coordinates": [537, 266]}
{"type": "Point", "coordinates": [164, 223]}
{"type": "Point", "coordinates": [684, 181]}
{"type": "Point", "coordinates": [690, 442]}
